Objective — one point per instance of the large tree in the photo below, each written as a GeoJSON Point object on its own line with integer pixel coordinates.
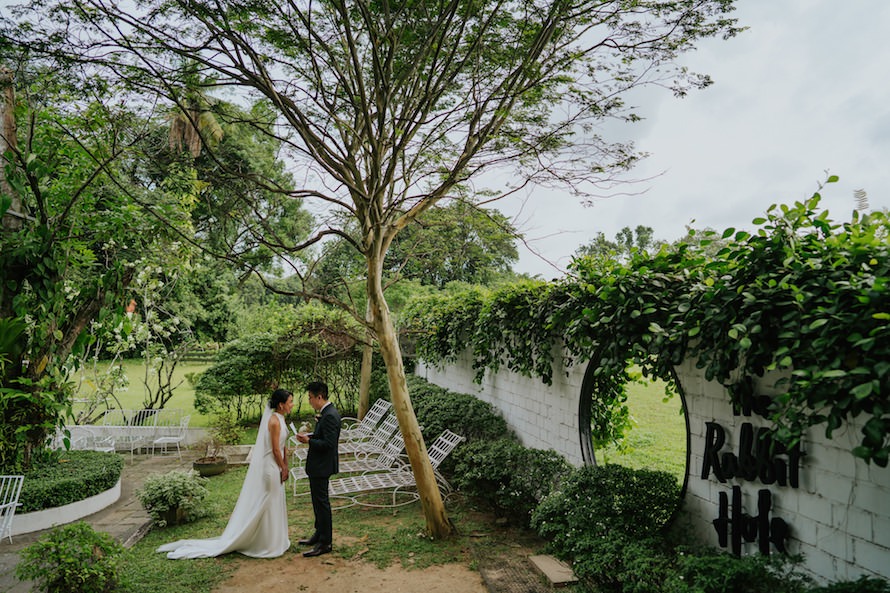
{"type": "Point", "coordinates": [389, 107]}
{"type": "Point", "coordinates": [76, 245]}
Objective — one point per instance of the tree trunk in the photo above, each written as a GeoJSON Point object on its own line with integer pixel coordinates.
{"type": "Point", "coordinates": [11, 219]}
{"type": "Point", "coordinates": [438, 525]}
{"type": "Point", "coordinates": [364, 386]}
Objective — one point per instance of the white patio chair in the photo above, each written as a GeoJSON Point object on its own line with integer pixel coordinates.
{"type": "Point", "coordinates": [398, 481]}
{"type": "Point", "coordinates": [89, 439]}
{"type": "Point", "coordinates": [165, 440]}
{"type": "Point", "coordinates": [10, 489]}
{"type": "Point", "coordinates": [139, 429]}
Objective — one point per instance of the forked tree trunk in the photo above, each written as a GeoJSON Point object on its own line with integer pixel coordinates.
{"type": "Point", "coordinates": [438, 525]}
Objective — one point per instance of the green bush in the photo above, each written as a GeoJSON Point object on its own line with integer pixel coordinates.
{"type": "Point", "coordinates": [69, 477]}
{"type": "Point", "coordinates": [594, 502]}
{"type": "Point", "coordinates": [711, 571]}
{"type": "Point", "coordinates": [468, 416]}
{"type": "Point", "coordinates": [176, 497]}
{"type": "Point", "coordinates": [72, 559]}
{"type": "Point", "coordinates": [624, 564]}
{"type": "Point", "coordinates": [863, 584]}
{"type": "Point", "coordinates": [507, 477]}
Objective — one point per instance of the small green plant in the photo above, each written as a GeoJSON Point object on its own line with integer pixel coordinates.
{"type": "Point", "coordinates": [226, 430]}
{"type": "Point", "coordinates": [174, 497]}
{"type": "Point", "coordinates": [72, 559]}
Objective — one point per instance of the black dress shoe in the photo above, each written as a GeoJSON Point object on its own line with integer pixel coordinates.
{"type": "Point", "coordinates": [318, 550]}
{"type": "Point", "coordinates": [309, 542]}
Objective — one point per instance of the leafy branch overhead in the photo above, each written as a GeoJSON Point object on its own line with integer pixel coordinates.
{"type": "Point", "coordinates": [803, 295]}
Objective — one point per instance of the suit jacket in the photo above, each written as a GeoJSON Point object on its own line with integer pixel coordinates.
{"type": "Point", "coordinates": [323, 458]}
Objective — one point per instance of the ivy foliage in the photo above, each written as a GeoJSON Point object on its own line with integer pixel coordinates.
{"type": "Point", "coordinates": [802, 295]}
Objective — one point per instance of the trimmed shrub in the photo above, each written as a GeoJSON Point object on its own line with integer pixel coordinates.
{"type": "Point", "coordinates": [863, 584]}
{"type": "Point", "coordinates": [508, 478]}
{"type": "Point", "coordinates": [468, 416]}
{"type": "Point", "coordinates": [712, 571]}
{"type": "Point", "coordinates": [72, 559]}
{"type": "Point", "coordinates": [594, 502]}
{"type": "Point", "coordinates": [68, 478]}
{"type": "Point", "coordinates": [624, 564]}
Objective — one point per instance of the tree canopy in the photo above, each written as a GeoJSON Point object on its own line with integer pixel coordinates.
{"type": "Point", "coordinates": [384, 109]}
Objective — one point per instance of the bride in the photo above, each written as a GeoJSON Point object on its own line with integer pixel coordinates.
{"type": "Point", "coordinates": [258, 525]}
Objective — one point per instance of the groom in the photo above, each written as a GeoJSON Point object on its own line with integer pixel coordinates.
{"type": "Point", "coordinates": [321, 463]}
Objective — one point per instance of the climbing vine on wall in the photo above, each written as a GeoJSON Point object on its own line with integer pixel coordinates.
{"type": "Point", "coordinates": [801, 294]}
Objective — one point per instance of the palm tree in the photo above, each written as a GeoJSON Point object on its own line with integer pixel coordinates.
{"type": "Point", "coordinates": [192, 122]}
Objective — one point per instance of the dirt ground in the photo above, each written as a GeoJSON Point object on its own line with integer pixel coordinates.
{"type": "Point", "coordinates": [331, 574]}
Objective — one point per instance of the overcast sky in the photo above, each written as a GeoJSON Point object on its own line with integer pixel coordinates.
{"type": "Point", "coordinates": [803, 91]}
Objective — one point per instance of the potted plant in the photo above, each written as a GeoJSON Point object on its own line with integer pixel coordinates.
{"type": "Point", "coordinates": [225, 431]}
{"type": "Point", "coordinates": [173, 498]}
{"type": "Point", "coordinates": [212, 462]}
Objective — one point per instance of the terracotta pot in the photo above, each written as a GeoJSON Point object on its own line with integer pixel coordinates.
{"type": "Point", "coordinates": [210, 466]}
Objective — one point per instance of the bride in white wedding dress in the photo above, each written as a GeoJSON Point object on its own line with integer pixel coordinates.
{"type": "Point", "coordinates": [258, 525]}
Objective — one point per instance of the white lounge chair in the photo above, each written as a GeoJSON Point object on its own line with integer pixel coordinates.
{"type": "Point", "coordinates": [10, 489]}
{"type": "Point", "coordinates": [389, 459]}
{"type": "Point", "coordinates": [377, 442]}
{"type": "Point", "coordinates": [359, 430]}
{"type": "Point", "coordinates": [398, 481]}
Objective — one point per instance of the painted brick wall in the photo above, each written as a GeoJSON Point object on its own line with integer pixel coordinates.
{"type": "Point", "coordinates": [838, 517]}
{"type": "Point", "coordinates": [543, 416]}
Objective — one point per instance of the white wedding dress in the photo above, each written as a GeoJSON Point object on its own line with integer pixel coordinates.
{"type": "Point", "coordinates": [258, 525]}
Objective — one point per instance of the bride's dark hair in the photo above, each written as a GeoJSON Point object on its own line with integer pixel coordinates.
{"type": "Point", "coordinates": [279, 396]}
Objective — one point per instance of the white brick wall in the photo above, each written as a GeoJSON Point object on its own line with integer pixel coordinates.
{"type": "Point", "coordinates": [543, 417]}
{"type": "Point", "coordinates": [839, 517]}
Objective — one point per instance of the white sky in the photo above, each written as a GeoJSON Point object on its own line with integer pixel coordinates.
{"type": "Point", "coordinates": [802, 92]}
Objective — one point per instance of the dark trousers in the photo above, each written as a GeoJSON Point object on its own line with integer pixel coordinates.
{"type": "Point", "coordinates": [321, 506]}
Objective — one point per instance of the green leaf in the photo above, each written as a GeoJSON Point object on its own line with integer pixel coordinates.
{"type": "Point", "coordinates": [818, 323]}
{"type": "Point", "coordinates": [862, 391]}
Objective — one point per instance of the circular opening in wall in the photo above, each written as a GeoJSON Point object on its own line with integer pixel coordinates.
{"type": "Point", "coordinates": [658, 435]}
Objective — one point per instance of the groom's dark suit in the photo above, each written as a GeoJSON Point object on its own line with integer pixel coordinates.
{"type": "Point", "coordinates": [322, 461]}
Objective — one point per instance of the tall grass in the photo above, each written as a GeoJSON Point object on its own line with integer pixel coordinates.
{"type": "Point", "coordinates": [133, 396]}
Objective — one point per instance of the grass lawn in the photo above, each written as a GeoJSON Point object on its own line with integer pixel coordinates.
{"type": "Point", "coordinates": [132, 396]}
{"type": "Point", "coordinates": [658, 438]}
